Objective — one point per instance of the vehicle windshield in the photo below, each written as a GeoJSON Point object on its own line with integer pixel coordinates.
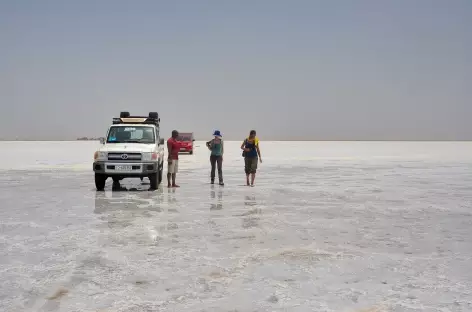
{"type": "Point", "coordinates": [185, 139]}
{"type": "Point", "coordinates": [131, 134]}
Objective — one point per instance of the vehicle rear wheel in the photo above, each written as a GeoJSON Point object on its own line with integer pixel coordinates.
{"type": "Point", "coordinates": [154, 179]}
{"type": "Point", "coordinates": [191, 152]}
{"type": "Point", "coordinates": [100, 181]}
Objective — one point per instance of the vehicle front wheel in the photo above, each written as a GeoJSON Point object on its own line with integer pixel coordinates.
{"type": "Point", "coordinates": [100, 181]}
{"type": "Point", "coordinates": [154, 179]}
{"type": "Point", "coordinates": [191, 152]}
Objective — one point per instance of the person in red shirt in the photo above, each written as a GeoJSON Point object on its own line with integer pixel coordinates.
{"type": "Point", "coordinates": [173, 148]}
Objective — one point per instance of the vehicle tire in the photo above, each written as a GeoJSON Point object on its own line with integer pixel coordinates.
{"type": "Point", "coordinates": [154, 179]}
{"type": "Point", "coordinates": [153, 115]}
{"type": "Point", "coordinates": [100, 181]}
{"type": "Point", "coordinates": [191, 152]}
{"type": "Point", "coordinates": [124, 114]}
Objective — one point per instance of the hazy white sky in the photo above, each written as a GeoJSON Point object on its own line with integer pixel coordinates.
{"type": "Point", "coordinates": [302, 69]}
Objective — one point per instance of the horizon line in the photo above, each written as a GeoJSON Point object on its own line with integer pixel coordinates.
{"type": "Point", "coordinates": [283, 140]}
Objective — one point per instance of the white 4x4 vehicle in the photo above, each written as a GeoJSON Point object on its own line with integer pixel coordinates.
{"type": "Point", "coordinates": [132, 149]}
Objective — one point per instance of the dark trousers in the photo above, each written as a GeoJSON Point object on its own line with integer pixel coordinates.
{"type": "Point", "coordinates": [216, 160]}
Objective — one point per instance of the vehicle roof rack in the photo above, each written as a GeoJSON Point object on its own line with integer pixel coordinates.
{"type": "Point", "coordinates": [137, 120]}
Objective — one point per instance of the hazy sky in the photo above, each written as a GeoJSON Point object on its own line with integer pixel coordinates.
{"type": "Point", "coordinates": [337, 69]}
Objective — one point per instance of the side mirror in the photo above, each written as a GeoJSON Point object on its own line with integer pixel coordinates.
{"type": "Point", "coordinates": [161, 141]}
{"type": "Point", "coordinates": [102, 140]}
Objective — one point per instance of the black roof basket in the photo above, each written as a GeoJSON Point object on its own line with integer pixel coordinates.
{"type": "Point", "coordinates": [126, 118]}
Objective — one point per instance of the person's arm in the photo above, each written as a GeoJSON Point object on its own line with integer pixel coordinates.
{"type": "Point", "coordinates": [258, 152]}
{"type": "Point", "coordinates": [169, 150]}
{"type": "Point", "coordinates": [243, 146]}
{"type": "Point", "coordinates": [208, 144]}
{"type": "Point", "coordinates": [222, 147]}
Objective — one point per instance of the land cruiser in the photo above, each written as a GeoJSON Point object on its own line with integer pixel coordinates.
{"type": "Point", "coordinates": [131, 149]}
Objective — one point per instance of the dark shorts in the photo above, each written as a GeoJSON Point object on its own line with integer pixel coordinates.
{"type": "Point", "coordinates": [250, 164]}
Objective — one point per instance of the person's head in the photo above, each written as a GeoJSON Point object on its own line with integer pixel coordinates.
{"type": "Point", "coordinates": [252, 134]}
{"type": "Point", "coordinates": [217, 134]}
{"type": "Point", "coordinates": [175, 134]}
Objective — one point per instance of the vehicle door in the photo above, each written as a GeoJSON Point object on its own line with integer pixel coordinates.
{"type": "Point", "coordinates": [160, 144]}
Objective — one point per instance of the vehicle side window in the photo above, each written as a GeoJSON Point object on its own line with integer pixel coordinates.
{"type": "Point", "coordinates": [112, 134]}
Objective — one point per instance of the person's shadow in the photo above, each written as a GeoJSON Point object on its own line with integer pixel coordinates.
{"type": "Point", "coordinates": [217, 204]}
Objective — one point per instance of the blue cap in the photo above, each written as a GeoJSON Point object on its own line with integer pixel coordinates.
{"type": "Point", "coordinates": [217, 133]}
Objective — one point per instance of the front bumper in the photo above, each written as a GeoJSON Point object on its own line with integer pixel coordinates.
{"type": "Point", "coordinates": [186, 149]}
{"type": "Point", "coordinates": [125, 169]}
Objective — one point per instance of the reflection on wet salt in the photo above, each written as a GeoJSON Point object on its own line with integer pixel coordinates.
{"type": "Point", "coordinates": [172, 202]}
{"type": "Point", "coordinates": [216, 204]}
{"type": "Point", "coordinates": [171, 198]}
{"type": "Point", "coordinates": [330, 243]}
{"type": "Point", "coordinates": [128, 201]}
{"type": "Point", "coordinates": [250, 200]}
{"type": "Point", "coordinates": [251, 216]}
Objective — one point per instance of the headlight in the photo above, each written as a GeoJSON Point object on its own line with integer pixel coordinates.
{"type": "Point", "coordinates": [100, 155]}
{"type": "Point", "coordinates": [149, 156]}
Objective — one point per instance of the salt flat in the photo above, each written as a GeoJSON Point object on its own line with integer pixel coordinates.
{"type": "Point", "coordinates": [330, 226]}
